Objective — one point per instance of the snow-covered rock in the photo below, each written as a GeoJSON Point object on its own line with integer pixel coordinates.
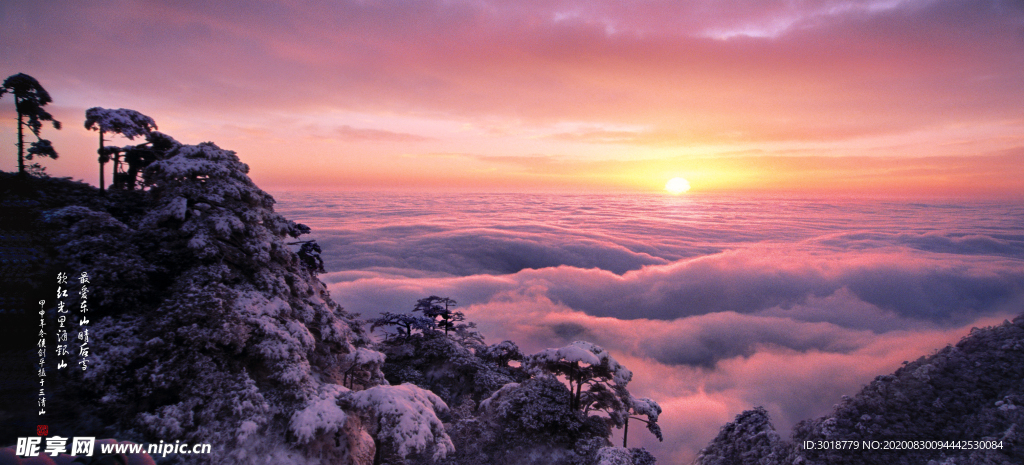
{"type": "Point", "coordinates": [958, 405]}
{"type": "Point", "coordinates": [209, 329]}
{"type": "Point", "coordinates": [404, 419]}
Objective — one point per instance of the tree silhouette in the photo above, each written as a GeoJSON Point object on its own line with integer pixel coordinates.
{"type": "Point", "coordinates": [157, 147]}
{"type": "Point", "coordinates": [128, 123]}
{"type": "Point", "coordinates": [404, 323]}
{"type": "Point", "coordinates": [29, 100]}
{"type": "Point", "coordinates": [435, 307]}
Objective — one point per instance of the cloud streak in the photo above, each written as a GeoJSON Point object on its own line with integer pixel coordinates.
{"type": "Point", "coordinates": [478, 58]}
{"type": "Point", "coordinates": [376, 135]}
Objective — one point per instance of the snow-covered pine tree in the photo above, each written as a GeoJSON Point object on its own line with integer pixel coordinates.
{"type": "Point", "coordinates": [586, 365]}
{"type": "Point", "coordinates": [128, 123]}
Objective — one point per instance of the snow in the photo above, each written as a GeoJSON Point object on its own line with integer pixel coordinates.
{"type": "Point", "coordinates": [246, 428]}
{"type": "Point", "coordinates": [407, 416]}
{"type": "Point", "coordinates": [207, 161]}
{"type": "Point", "coordinates": [589, 353]}
{"type": "Point", "coordinates": [486, 403]}
{"type": "Point", "coordinates": [321, 415]}
{"type": "Point", "coordinates": [363, 356]}
{"type": "Point", "coordinates": [227, 225]}
{"type": "Point", "coordinates": [128, 123]}
{"type": "Point", "coordinates": [301, 333]}
{"type": "Point", "coordinates": [614, 456]}
{"type": "Point", "coordinates": [645, 406]}
{"type": "Point", "coordinates": [574, 353]}
{"type": "Point", "coordinates": [258, 304]}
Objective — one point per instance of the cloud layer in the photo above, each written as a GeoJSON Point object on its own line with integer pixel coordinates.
{"type": "Point", "coordinates": [718, 304]}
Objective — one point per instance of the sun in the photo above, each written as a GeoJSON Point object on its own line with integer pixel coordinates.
{"type": "Point", "coordinates": [677, 186]}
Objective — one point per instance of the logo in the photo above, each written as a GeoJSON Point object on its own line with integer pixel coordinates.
{"type": "Point", "coordinates": [42, 430]}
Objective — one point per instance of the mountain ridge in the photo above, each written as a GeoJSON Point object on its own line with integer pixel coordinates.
{"type": "Point", "coordinates": [962, 405]}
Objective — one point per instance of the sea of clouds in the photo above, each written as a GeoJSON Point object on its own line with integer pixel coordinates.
{"type": "Point", "coordinates": [718, 304]}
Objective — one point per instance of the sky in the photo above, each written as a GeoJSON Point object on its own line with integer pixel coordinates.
{"type": "Point", "coordinates": [868, 97]}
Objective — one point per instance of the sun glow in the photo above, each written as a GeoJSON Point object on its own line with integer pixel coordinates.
{"type": "Point", "coordinates": [677, 186]}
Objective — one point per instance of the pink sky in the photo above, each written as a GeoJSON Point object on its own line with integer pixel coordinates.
{"type": "Point", "coordinates": [816, 96]}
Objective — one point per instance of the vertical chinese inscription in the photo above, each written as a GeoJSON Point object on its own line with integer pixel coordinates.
{"type": "Point", "coordinates": [62, 323]}
{"type": "Point", "coordinates": [83, 330]}
{"type": "Point", "coordinates": [41, 346]}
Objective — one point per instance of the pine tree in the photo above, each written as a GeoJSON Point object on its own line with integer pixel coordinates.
{"type": "Point", "coordinates": [128, 123]}
{"type": "Point", "coordinates": [29, 100]}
